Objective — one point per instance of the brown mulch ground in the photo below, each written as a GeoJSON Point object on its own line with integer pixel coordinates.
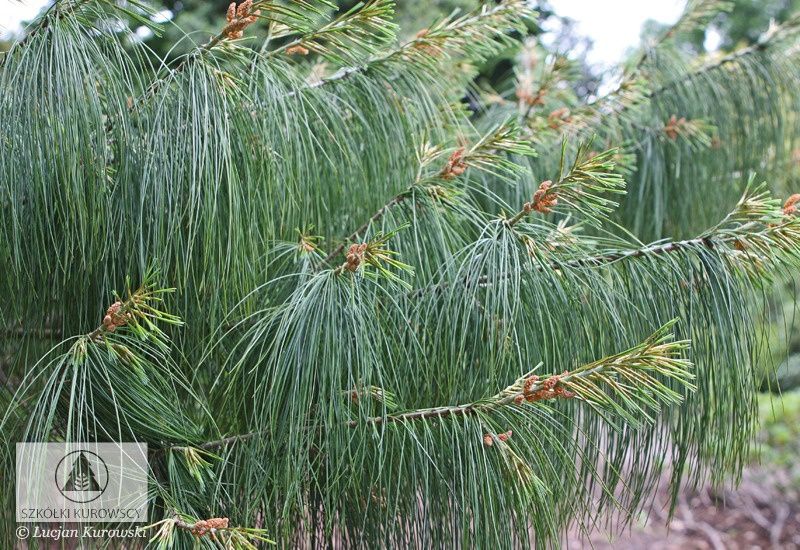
{"type": "Point", "coordinates": [762, 512]}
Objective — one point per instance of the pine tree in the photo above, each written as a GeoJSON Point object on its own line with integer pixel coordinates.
{"type": "Point", "coordinates": [353, 312]}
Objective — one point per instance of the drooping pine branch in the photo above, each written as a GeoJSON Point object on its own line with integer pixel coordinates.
{"type": "Point", "coordinates": [756, 236]}
{"type": "Point", "coordinates": [755, 230]}
{"type": "Point", "coordinates": [123, 363]}
{"type": "Point", "coordinates": [489, 154]}
{"type": "Point", "coordinates": [769, 39]}
{"type": "Point", "coordinates": [292, 18]}
{"type": "Point", "coordinates": [139, 312]}
{"type": "Point", "coordinates": [583, 187]}
{"type": "Point", "coordinates": [363, 30]}
{"type": "Point", "coordinates": [627, 384]}
{"type": "Point", "coordinates": [375, 258]}
{"type": "Point", "coordinates": [633, 91]}
{"type": "Point", "coordinates": [474, 35]}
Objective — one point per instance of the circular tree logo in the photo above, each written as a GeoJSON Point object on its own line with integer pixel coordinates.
{"type": "Point", "coordinates": [81, 476]}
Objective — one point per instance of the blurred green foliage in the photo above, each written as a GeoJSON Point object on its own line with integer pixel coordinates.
{"type": "Point", "coordinates": [750, 17]}
{"type": "Point", "coordinates": [779, 436]}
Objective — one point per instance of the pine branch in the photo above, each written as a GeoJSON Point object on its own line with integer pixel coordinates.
{"type": "Point", "coordinates": [138, 312]}
{"type": "Point", "coordinates": [755, 218]}
{"type": "Point", "coordinates": [582, 187]}
{"type": "Point", "coordinates": [785, 235]}
{"type": "Point", "coordinates": [211, 186]}
{"type": "Point", "coordinates": [773, 35]}
{"type": "Point", "coordinates": [376, 255]}
{"type": "Point", "coordinates": [128, 382]}
{"type": "Point", "coordinates": [474, 34]}
{"type": "Point", "coordinates": [628, 376]}
{"type": "Point", "coordinates": [238, 18]}
{"type": "Point", "coordinates": [632, 91]}
{"type": "Point", "coordinates": [217, 530]}
{"type": "Point", "coordinates": [756, 222]}
{"type": "Point", "coordinates": [362, 28]}
{"type": "Point", "coordinates": [488, 154]}
{"type": "Point", "coordinates": [750, 235]}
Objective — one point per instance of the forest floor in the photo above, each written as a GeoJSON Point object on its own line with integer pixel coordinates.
{"type": "Point", "coordinates": [763, 512]}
